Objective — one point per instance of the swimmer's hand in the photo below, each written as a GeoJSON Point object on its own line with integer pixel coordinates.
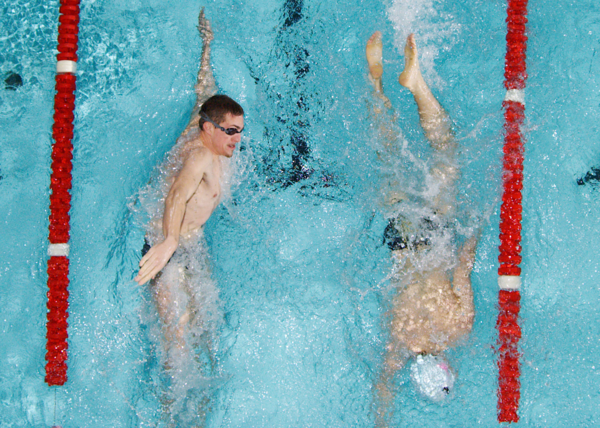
{"type": "Point", "coordinates": [155, 259]}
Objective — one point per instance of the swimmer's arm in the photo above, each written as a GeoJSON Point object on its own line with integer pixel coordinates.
{"type": "Point", "coordinates": [395, 360]}
{"type": "Point", "coordinates": [183, 188]}
{"type": "Point", "coordinates": [461, 284]}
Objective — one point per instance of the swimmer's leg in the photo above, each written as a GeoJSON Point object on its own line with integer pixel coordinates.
{"type": "Point", "coordinates": [185, 393]}
{"type": "Point", "coordinates": [380, 108]}
{"type": "Point", "coordinates": [437, 126]}
{"type": "Point", "coordinates": [205, 85]}
{"type": "Point", "coordinates": [395, 360]}
{"type": "Point", "coordinates": [200, 327]}
{"type": "Point", "coordinates": [433, 117]}
{"type": "Point", "coordinates": [174, 315]}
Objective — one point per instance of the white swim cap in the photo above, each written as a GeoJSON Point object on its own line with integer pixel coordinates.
{"type": "Point", "coordinates": [432, 376]}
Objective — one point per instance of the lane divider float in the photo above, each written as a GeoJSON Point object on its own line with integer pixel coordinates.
{"type": "Point", "coordinates": [509, 272]}
{"type": "Point", "coordinates": [60, 197]}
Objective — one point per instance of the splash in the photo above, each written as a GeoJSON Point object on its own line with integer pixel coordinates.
{"type": "Point", "coordinates": [434, 29]}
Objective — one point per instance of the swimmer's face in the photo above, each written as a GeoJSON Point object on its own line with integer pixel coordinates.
{"type": "Point", "coordinates": [223, 143]}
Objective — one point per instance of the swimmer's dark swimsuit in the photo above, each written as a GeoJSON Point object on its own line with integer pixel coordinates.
{"type": "Point", "coordinates": [146, 247]}
{"type": "Point", "coordinates": [401, 234]}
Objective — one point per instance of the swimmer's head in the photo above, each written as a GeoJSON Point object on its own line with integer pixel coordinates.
{"type": "Point", "coordinates": [432, 377]}
{"type": "Point", "coordinates": [216, 108]}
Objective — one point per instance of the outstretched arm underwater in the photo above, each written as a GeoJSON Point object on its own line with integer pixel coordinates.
{"type": "Point", "coordinates": [205, 84]}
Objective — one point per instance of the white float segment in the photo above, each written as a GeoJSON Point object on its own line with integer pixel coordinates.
{"type": "Point", "coordinates": [66, 66]}
{"type": "Point", "coordinates": [509, 282]}
{"type": "Point", "coordinates": [516, 95]}
{"type": "Point", "coordinates": [58, 250]}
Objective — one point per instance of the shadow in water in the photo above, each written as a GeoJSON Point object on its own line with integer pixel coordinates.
{"type": "Point", "coordinates": [13, 81]}
{"type": "Point", "coordinates": [289, 160]}
{"type": "Point", "coordinates": [591, 177]}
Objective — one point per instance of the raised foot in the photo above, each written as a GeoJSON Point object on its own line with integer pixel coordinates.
{"type": "Point", "coordinates": [374, 55]}
{"type": "Point", "coordinates": [411, 75]}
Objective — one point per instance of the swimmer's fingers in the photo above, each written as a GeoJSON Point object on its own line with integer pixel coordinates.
{"type": "Point", "coordinates": [149, 257]}
{"type": "Point", "coordinates": [145, 257]}
{"type": "Point", "coordinates": [145, 276]}
{"type": "Point", "coordinates": [148, 268]}
{"type": "Point", "coordinates": [153, 262]}
{"type": "Point", "coordinates": [145, 263]}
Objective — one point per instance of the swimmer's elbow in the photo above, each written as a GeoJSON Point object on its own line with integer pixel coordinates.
{"type": "Point", "coordinates": [177, 197]}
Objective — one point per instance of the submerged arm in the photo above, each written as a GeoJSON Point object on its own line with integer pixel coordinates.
{"type": "Point", "coordinates": [396, 359]}
{"type": "Point", "coordinates": [181, 191]}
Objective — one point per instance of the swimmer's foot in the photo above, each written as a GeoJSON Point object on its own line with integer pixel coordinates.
{"type": "Point", "coordinates": [374, 56]}
{"type": "Point", "coordinates": [411, 78]}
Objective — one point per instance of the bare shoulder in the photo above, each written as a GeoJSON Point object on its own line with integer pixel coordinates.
{"type": "Point", "coordinates": [196, 163]}
{"type": "Point", "coordinates": [196, 157]}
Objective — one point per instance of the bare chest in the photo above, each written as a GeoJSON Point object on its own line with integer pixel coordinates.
{"type": "Point", "coordinates": [208, 192]}
{"type": "Point", "coordinates": [204, 200]}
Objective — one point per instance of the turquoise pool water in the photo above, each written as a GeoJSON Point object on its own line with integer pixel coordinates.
{"type": "Point", "coordinates": [296, 248]}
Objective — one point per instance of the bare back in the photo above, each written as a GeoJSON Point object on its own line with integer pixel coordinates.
{"type": "Point", "coordinates": [429, 316]}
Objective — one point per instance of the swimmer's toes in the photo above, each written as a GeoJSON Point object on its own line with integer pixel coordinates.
{"type": "Point", "coordinates": [375, 39]}
{"type": "Point", "coordinates": [411, 44]}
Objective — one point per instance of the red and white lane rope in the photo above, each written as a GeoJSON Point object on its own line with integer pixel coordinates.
{"type": "Point", "coordinates": [60, 198]}
{"type": "Point", "coordinates": [509, 279]}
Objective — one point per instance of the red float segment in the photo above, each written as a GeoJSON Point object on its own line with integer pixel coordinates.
{"type": "Point", "coordinates": [56, 326]}
{"type": "Point", "coordinates": [60, 198]}
{"type": "Point", "coordinates": [66, 56]}
{"type": "Point", "coordinates": [508, 361]}
{"type": "Point", "coordinates": [68, 30]}
{"type": "Point", "coordinates": [69, 10]}
{"type": "Point", "coordinates": [69, 19]}
{"type": "Point", "coordinates": [67, 81]}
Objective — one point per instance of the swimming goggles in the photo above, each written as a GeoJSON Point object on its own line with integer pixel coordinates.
{"type": "Point", "coordinates": [228, 131]}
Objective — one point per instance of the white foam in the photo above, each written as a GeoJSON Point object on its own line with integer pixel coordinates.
{"type": "Point", "coordinates": [434, 31]}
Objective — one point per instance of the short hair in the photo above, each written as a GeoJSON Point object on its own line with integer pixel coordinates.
{"type": "Point", "coordinates": [217, 107]}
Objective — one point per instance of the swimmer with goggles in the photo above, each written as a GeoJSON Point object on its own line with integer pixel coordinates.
{"type": "Point", "coordinates": [228, 131]}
